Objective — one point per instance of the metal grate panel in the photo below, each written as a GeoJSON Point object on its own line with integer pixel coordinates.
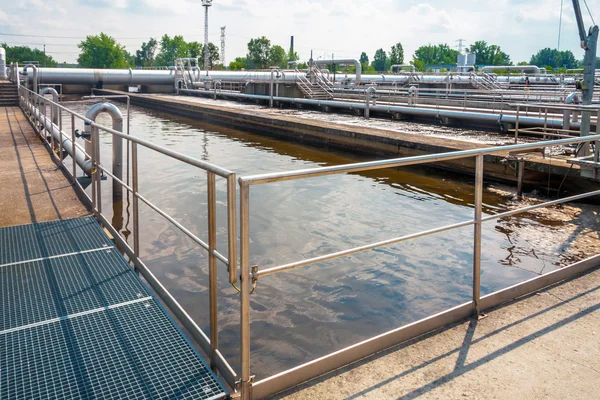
{"type": "Point", "coordinates": [47, 239]}
{"type": "Point", "coordinates": [131, 352]}
{"type": "Point", "coordinates": [52, 288]}
{"type": "Point", "coordinates": [84, 325]}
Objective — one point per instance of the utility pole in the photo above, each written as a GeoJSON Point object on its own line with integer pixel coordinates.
{"type": "Point", "coordinates": [223, 45]}
{"type": "Point", "coordinates": [206, 4]}
{"type": "Point", "coordinates": [44, 56]}
{"type": "Point", "coordinates": [333, 65]}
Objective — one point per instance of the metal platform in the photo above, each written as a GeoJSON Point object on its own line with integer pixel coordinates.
{"type": "Point", "coordinates": [77, 322]}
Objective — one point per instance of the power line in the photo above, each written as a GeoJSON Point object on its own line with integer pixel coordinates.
{"type": "Point", "coordinates": [560, 23]}
{"type": "Point", "coordinates": [60, 37]}
{"type": "Point", "coordinates": [43, 44]}
{"type": "Point", "coordinates": [80, 37]}
{"type": "Point", "coordinates": [586, 6]}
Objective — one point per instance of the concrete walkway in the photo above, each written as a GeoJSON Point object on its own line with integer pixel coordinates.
{"type": "Point", "coordinates": [542, 346]}
{"type": "Point", "coordinates": [33, 187]}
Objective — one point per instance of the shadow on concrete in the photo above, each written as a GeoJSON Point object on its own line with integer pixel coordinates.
{"type": "Point", "coordinates": [37, 166]}
{"type": "Point", "coordinates": [462, 351]}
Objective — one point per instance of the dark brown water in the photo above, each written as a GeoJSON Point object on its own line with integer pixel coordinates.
{"type": "Point", "coordinates": [309, 312]}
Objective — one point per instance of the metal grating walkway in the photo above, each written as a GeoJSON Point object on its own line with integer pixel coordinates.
{"type": "Point", "coordinates": [76, 322]}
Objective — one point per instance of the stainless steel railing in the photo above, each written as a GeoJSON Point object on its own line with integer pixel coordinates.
{"type": "Point", "coordinates": [28, 102]}
{"type": "Point", "coordinates": [249, 277]}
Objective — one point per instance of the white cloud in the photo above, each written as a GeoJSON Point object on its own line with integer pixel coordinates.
{"type": "Point", "coordinates": [342, 27]}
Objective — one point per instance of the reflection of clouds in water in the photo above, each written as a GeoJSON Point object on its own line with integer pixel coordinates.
{"type": "Point", "coordinates": [302, 314]}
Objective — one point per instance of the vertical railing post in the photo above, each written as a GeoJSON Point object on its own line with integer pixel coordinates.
{"type": "Point", "coordinates": [74, 157]}
{"type": "Point", "coordinates": [517, 126]}
{"type": "Point", "coordinates": [596, 143]}
{"type": "Point", "coordinates": [271, 91]}
{"type": "Point", "coordinates": [45, 123]}
{"type": "Point", "coordinates": [96, 135]}
{"type": "Point", "coordinates": [94, 171]}
{"type": "Point", "coordinates": [477, 233]}
{"type": "Point", "coordinates": [60, 138]}
{"type": "Point", "coordinates": [232, 229]}
{"type": "Point", "coordinates": [246, 380]}
{"type": "Point", "coordinates": [136, 210]}
{"type": "Point", "coordinates": [52, 116]}
{"type": "Point", "coordinates": [212, 268]}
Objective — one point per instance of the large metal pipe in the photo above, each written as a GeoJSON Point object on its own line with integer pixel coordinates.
{"type": "Point", "coordinates": [117, 141]}
{"type": "Point", "coordinates": [55, 99]}
{"type": "Point", "coordinates": [3, 74]}
{"type": "Point", "coordinates": [86, 76]}
{"type": "Point", "coordinates": [80, 156]}
{"type": "Point", "coordinates": [344, 61]}
{"type": "Point", "coordinates": [93, 77]}
{"type": "Point", "coordinates": [533, 68]}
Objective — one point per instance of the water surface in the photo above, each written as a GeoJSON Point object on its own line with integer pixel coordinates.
{"type": "Point", "coordinates": [306, 313]}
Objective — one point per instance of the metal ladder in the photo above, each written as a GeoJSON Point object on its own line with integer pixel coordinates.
{"type": "Point", "coordinates": [320, 89]}
{"type": "Point", "coordinates": [183, 72]}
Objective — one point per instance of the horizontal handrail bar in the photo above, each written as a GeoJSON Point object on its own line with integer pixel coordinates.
{"type": "Point", "coordinates": [562, 106]}
{"type": "Point", "coordinates": [402, 162]}
{"type": "Point", "coordinates": [222, 172]}
{"type": "Point", "coordinates": [343, 253]}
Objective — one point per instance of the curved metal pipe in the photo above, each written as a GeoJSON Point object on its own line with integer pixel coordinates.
{"type": "Point", "coordinates": [55, 98]}
{"type": "Point", "coordinates": [35, 76]}
{"type": "Point", "coordinates": [370, 91]}
{"type": "Point", "coordinates": [344, 61]}
{"type": "Point", "coordinates": [573, 98]}
{"type": "Point", "coordinates": [117, 141]}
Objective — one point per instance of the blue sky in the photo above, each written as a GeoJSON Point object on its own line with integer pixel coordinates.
{"type": "Point", "coordinates": [344, 28]}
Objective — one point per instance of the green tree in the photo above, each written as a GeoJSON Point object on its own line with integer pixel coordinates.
{"type": "Point", "coordinates": [277, 57]}
{"type": "Point", "coordinates": [489, 54]}
{"type": "Point", "coordinates": [144, 57]}
{"type": "Point", "coordinates": [434, 54]}
{"type": "Point", "coordinates": [170, 49]}
{"type": "Point", "coordinates": [259, 53]}
{"type": "Point", "coordinates": [213, 55]}
{"type": "Point", "coordinates": [102, 51]}
{"type": "Point", "coordinates": [397, 54]}
{"type": "Point", "coordinates": [195, 50]}
{"type": "Point", "coordinates": [238, 64]}
{"type": "Point", "coordinates": [292, 55]}
{"type": "Point", "coordinates": [364, 61]}
{"type": "Point", "coordinates": [379, 60]}
{"type": "Point", "coordinates": [21, 54]}
{"type": "Point", "coordinates": [553, 58]}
